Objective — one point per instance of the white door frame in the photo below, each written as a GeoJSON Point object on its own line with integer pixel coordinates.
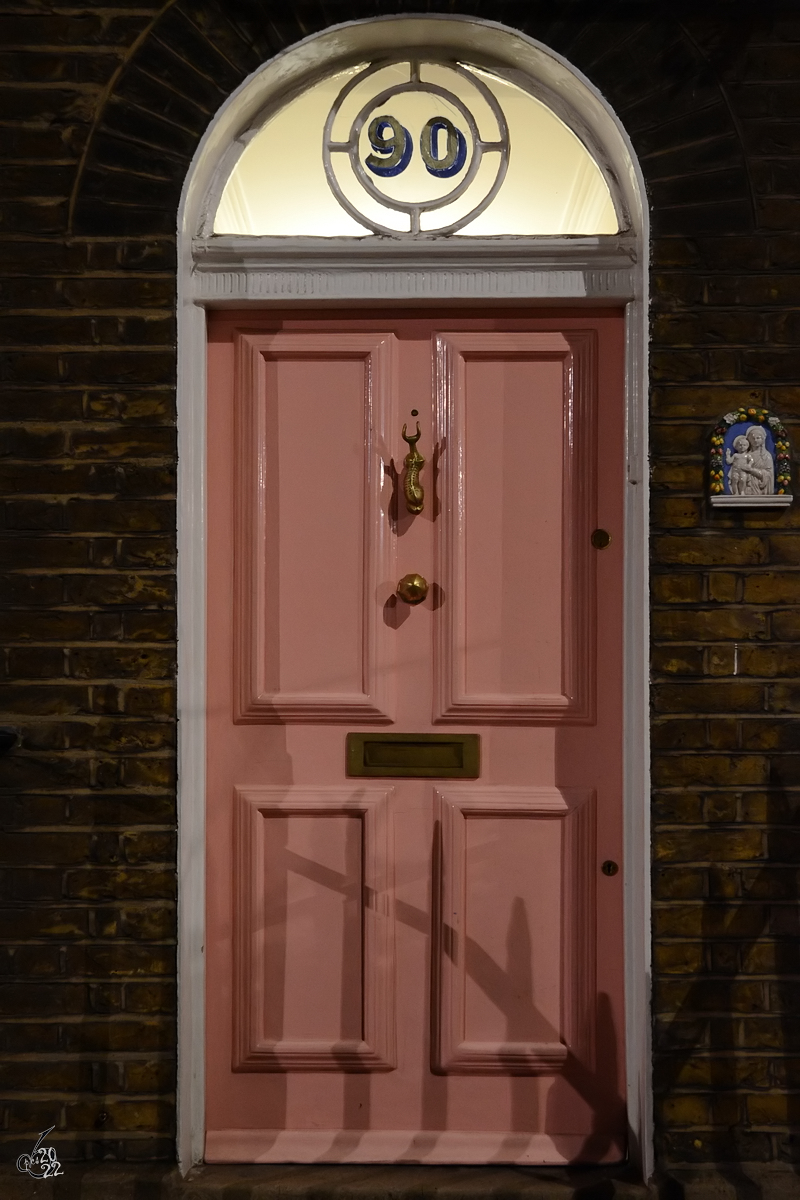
{"type": "Point", "coordinates": [263, 272]}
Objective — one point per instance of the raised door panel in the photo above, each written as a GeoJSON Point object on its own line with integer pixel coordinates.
{"type": "Point", "coordinates": [313, 951]}
{"type": "Point", "coordinates": [514, 944]}
{"type": "Point", "coordinates": [515, 417]}
{"type": "Point", "coordinates": [312, 546]}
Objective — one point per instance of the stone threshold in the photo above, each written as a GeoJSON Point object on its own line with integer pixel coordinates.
{"type": "Point", "coordinates": [122, 1181]}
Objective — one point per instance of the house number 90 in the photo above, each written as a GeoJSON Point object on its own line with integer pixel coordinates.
{"type": "Point", "coordinates": [393, 147]}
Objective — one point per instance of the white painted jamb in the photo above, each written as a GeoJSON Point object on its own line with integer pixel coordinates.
{"type": "Point", "coordinates": [216, 272]}
{"type": "Point", "coordinates": [191, 602]}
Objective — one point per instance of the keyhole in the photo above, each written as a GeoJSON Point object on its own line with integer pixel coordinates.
{"type": "Point", "coordinates": [609, 867]}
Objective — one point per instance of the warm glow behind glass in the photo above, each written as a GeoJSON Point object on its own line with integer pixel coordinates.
{"type": "Point", "coordinates": [279, 187]}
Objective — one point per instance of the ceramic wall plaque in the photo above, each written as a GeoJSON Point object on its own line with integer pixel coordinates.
{"type": "Point", "coordinates": [750, 461]}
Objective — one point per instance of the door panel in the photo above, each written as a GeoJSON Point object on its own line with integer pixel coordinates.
{"type": "Point", "coordinates": [311, 533]}
{"type": "Point", "coordinates": [515, 950]}
{"type": "Point", "coordinates": [516, 413]}
{"type": "Point", "coordinates": [414, 968]}
{"type": "Point", "coordinates": [314, 945]}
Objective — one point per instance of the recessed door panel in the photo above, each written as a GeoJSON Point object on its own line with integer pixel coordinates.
{"type": "Point", "coordinates": [515, 963]}
{"type": "Point", "coordinates": [517, 413]}
{"type": "Point", "coordinates": [413, 954]}
{"type": "Point", "coordinates": [313, 956]}
{"type": "Point", "coordinates": [311, 543]}
{"type": "Point", "coordinates": [512, 489]}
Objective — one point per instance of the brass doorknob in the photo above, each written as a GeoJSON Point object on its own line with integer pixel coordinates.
{"type": "Point", "coordinates": [413, 589]}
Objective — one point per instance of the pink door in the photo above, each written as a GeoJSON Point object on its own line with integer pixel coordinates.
{"type": "Point", "coordinates": [414, 947]}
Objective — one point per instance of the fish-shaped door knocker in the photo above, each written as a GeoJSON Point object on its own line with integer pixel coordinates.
{"type": "Point", "coordinates": [414, 462]}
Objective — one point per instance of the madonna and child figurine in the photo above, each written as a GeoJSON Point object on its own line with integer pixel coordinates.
{"type": "Point", "coordinates": [750, 461]}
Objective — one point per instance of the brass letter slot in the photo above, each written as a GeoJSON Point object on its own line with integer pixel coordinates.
{"type": "Point", "coordinates": [415, 755]}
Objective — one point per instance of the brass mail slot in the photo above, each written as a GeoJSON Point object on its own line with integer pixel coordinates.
{"type": "Point", "coordinates": [415, 755]}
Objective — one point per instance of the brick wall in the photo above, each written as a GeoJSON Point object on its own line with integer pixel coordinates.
{"type": "Point", "coordinates": [726, 664]}
{"type": "Point", "coordinates": [102, 108]}
{"type": "Point", "coordinates": [88, 464]}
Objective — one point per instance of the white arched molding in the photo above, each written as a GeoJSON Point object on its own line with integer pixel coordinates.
{"type": "Point", "coordinates": [241, 271]}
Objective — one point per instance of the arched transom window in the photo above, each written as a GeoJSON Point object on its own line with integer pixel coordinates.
{"type": "Point", "coordinates": [410, 146]}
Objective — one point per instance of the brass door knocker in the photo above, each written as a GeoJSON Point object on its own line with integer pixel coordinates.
{"type": "Point", "coordinates": [414, 462]}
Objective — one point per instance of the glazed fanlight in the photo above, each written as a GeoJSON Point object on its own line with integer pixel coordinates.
{"type": "Point", "coordinates": [750, 461]}
{"type": "Point", "coordinates": [408, 147]}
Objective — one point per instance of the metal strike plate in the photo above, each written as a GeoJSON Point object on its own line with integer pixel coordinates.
{"type": "Point", "coordinates": [415, 755]}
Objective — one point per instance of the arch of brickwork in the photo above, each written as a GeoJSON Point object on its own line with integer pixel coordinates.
{"type": "Point", "coordinates": [103, 108]}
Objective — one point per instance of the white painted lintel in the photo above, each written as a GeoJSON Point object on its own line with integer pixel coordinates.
{"type": "Point", "coordinates": [235, 271]}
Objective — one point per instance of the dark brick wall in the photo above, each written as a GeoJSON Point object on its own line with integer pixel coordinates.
{"type": "Point", "coordinates": [102, 107]}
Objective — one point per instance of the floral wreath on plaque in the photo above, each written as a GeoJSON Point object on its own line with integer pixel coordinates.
{"type": "Point", "coordinates": [750, 463]}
